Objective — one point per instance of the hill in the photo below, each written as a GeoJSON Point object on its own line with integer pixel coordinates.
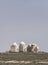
{"type": "Point", "coordinates": [27, 58]}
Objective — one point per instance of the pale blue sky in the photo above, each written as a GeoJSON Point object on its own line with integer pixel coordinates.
{"type": "Point", "coordinates": [23, 20]}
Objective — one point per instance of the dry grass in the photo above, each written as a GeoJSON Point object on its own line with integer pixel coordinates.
{"type": "Point", "coordinates": [24, 58]}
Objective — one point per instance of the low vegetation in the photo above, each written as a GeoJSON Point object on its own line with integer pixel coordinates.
{"type": "Point", "coordinates": [27, 58]}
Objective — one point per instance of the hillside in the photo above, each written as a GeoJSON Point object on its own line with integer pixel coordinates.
{"type": "Point", "coordinates": [24, 58]}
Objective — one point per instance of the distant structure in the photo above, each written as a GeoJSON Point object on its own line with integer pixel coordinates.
{"type": "Point", "coordinates": [22, 47]}
{"type": "Point", "coordinates": [33, 48]}
{"type": "Point", "coordinates": [29, 48]}
{"type": "Point", "coordinates": [14, 47]}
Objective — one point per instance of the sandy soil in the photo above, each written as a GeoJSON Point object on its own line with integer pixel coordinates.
{"type": "Point", "coordinates": [26, 62]}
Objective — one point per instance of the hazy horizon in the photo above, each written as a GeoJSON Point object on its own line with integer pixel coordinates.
{"type": "Point", "coordinates": [23, 20]}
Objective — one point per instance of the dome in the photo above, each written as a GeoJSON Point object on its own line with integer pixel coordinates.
{"type": "Point", "coordinates": [14, 44]}
{"type": "Point", "coordinates": [21, 46]}
{"type": "Point", "coordinates": [22, 43]}
{"type": "Point", "coordinates": [34, 44]}
{"type": "Point", "coordinates": [14, 47]}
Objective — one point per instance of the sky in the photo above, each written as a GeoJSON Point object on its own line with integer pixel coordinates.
{"type": "Point", "coordinates": [23, 20]}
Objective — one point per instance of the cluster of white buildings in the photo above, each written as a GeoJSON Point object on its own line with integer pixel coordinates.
{"type": "Point", "coordinates": [22, 47]}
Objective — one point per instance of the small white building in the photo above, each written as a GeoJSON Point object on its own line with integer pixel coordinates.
{"type": "Point", "coordinates": [34, 48]}
{"type": "Point", "coordinates": [22, 47]}
{"type": "Point", "coordinates": [14, 47]}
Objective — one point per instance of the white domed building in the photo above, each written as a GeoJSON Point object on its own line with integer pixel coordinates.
{"type": "Point", "coordinates": [22, 47]}
{"type": "Point", "coordinates": [14, 47]}
{"type": "Point", "coordinates": [34, 48]}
